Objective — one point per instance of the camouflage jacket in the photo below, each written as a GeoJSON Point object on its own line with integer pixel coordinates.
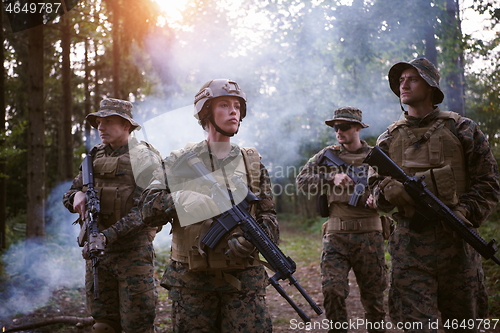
{"type": "Point", "coordinates": [483, 193]}
{"type": "Point", "coordinates": [129, 231]}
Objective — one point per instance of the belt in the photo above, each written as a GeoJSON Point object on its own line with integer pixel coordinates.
{"type": "Point", "coordinates": [335, 224]}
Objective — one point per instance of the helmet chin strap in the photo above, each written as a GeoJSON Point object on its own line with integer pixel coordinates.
{"type": "Point", "coordinates": [220, 130]}
{"type": "Point", "coordinates": [401, 104]}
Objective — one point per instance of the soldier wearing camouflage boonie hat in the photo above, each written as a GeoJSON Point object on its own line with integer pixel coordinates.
{"type": "Point", "coordinates": [425, 69]}
{"type": "Point", "coordinates": [347, 113]}
{"type": "Point", "coordinates": [113, 107]}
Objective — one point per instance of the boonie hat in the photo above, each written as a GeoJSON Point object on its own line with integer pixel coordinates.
{"type": "Point", "coordinates": [347, 113]}
{"type": "Point", "coordinates": [113, 107]}
{"type": "Point", "coordinates": [425, 69]}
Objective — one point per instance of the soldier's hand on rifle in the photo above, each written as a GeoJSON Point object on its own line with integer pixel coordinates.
{"type": "Point", "coordinates": [79, 201]}
{"type": "Point", "coordinates": [85, 251]}
{"type": "Point", "coordinates": [370, 202]}
{"type": "Point", "coordinates": [239, 247]}
{"type": "Point", "coordinates": [395, 193]}
{"type": "Point", "coordinates": [342, 180]}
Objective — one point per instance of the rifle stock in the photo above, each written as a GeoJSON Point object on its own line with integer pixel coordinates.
{"type": "Point", "coordinates": [238, 215]}
{"type": "Point", "coordinates": [428, 205]}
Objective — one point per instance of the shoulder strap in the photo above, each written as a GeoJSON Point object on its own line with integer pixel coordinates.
{"type": "Point", "coordinates": [395, 125]}
{"type": "Point", "coordinates": [252, 162]}
{"type": "Point", "coordinates": [451, 119]}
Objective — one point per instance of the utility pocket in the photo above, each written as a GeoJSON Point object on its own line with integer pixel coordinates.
{"type": "Point", "coordinates": [441, 182]}
{"type": "Point", "coordinates": [428, 155]}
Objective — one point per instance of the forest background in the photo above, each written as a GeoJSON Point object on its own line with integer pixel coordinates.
{"type": "Point", "coordinates": [296, 60]}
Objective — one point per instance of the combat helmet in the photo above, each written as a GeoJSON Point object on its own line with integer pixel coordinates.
{"type": "Point", "coordinates": [216, 88]}
{"type": "Point", "coordinates": [425, 69]}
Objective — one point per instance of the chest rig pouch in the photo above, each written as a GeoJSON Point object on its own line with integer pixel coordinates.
{"type": "Point", "coordinates": [114, 181]}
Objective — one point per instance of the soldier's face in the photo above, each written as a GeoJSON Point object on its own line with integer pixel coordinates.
{"type": "Point", "coordinates": [113, 130]}
{"type": "Point", "coordinates": [347, 136]}
{"type": "Point", "coordinates": [226, 113]}
{"type": "Point", "coordinates": [413, 89]}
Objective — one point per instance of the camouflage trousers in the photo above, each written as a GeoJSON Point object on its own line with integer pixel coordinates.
{"type": "Point", "coordinates": [364, 253]}
{"type": "Point", "coordinates": [200, 311]}
{"type": "Point", "coordinates": [434, 271]}
{"type": "Point", "coordinates": [127, 290]}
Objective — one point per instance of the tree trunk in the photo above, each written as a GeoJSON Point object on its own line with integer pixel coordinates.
{"type": "Point", "coordinates": [116, 48]}
{"type": "Point", "coordinates": [65, 163]}
{"type": "Point", "coordinates": [88, 101]}
{"type": "Point", "coordinates": [454, 59]}
{"type": "Point", "coordinates": [3, 164]}
{"type": "Point", "coordinates": [35, 224]}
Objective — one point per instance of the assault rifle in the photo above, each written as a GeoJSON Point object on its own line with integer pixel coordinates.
{"type": "Point", "coordinates": [234, 215]}
{"type": "Point", "coordinates": [428, 206]}
{"type": "Point", "coordinates": [90, 233]}
{"type": "Point", "coordinates": [359, 175]}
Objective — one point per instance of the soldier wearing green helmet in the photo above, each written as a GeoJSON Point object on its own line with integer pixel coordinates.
{"type": "Point", "coordinates": [432, 270]}
{"type": "Point", "coordinates": [220, 289]}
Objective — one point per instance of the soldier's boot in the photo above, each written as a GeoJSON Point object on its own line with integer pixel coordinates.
{"type": "Point", "coordinates": [103, 327]}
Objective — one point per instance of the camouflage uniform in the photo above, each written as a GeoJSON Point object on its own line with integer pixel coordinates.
{"type": "Point", "coordinates": [127, 286]}
{"type": "Point", "coordinates": [361, 249]}
{"type": "Point", "coordinates": [432, 270]}
{"type": "Point", "coordinates": [212, 300]}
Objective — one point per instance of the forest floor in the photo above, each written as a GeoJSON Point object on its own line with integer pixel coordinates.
{"type": "Point", "coordinates": [303, 247]}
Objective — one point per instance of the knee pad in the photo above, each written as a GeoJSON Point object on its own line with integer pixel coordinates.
{"type": "Point", "coordinates": [101, 327]}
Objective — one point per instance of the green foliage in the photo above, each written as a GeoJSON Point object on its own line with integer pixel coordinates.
{"type": "Point", "coordinates": [489, 230]}
{"type": "Point", "coordinates": [311, 225]}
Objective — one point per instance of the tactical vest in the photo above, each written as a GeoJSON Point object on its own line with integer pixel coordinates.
{"type": "Point", "coordinates": [344, 218]}
{"type": "Point", "coordinates": [115, 183]}
{"type": "Point", "coordinates": [433, 150]}
{"type": "Point", "coordinates": [186, 241]}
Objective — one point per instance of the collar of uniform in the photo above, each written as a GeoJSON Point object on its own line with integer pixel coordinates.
{"type": "Point", "coordinates": [419, 122]}
{"type": "Point", "coordinates": [121, 150]}
{"type": "Point", "coordinates": [201, 150]}
{"type": "Point", "coordinates": [363, 148]}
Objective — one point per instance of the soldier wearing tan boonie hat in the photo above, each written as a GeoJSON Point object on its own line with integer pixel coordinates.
{"type": "Point", "coordinates": [347, 113]}
{"type": "Point", "coordinates": [425, 69]}
{"type": "Point", "coordinates": [114, 107]}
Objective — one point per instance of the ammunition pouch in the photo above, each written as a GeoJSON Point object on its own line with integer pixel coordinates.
{"type": "Point", "coordinates": [441, 182]}
{"type": "Point", "coordinates": [200, 260]}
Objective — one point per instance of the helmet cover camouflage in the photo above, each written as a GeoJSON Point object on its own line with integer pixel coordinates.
{"type": "Point", "coordinates": [347, 113]}
{"type": "Point", "coordinates": [216, 88]}
{"type": "Point", "coordinates": [425, 69]}
{"type": "Point", "coordinates": [113, 107]}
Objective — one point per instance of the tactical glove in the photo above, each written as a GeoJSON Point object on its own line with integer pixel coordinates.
{"type": "Point", "coordinates": [460, 213]}
{"type": "Point", "coordinates": [395, 193]}
{"type": "Point", "coordinates": [239, 247]}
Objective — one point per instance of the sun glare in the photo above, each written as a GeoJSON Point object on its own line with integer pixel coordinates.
{"type": "Point", "coordinates": [172, 9]}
